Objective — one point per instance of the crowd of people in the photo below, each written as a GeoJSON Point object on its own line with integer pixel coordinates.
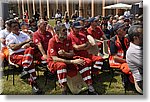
{"type": "Point", "coordinates": [65, 47]}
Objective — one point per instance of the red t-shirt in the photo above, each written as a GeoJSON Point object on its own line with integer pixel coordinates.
{"type": "Point", "coordinates": [84, 31]}
{"type": "Point", "coordinates": [55, 45]}
{"type": "Point", "coordinates": [78, 40]}
{"type": "Point", "coordinates": [97, 33]}
{"type": "Point", "coordinates": [43, 38]}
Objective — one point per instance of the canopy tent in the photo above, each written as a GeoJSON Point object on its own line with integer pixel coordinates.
{"type": "Point", "coordinates": [118, 6]}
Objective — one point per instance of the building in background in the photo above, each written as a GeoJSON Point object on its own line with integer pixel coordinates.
{"type": "Point", "coordinates": [49, 7]}
{"type": "Point", "coordinates": [4, 9]}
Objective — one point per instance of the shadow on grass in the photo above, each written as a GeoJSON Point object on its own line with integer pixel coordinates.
{"type": "Point", "coordinates": [100, 82]}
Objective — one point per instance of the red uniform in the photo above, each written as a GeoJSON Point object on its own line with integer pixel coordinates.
{"type": "Point", "coordinates": [22, 57]}
{"type": "Point", "coordinates": [117, 49]}
{"type": "Point", "coordinates": [96, 34]}
{"type": "Point", "coordinates": [62, 68]}
{"type": "Point", "coordinates": [84, 31]}
{"type": "Point", "coordinates": [81, 39]}
{"type": "Point", "coordinates": [43, 39]}
{"type": "Point", "coordinates": [25, 59]}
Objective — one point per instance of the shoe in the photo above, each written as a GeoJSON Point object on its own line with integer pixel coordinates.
{"type": "Point", "coordinates": [92, 93]}
{"type": "Point", "coordinates": [24, 75]}
{"type": "Point", "coordinates": [36, 90]}
{"type": "Point", "coordinates": [139, 87]}
{"type": "Point", "coordinates": [64, 92]}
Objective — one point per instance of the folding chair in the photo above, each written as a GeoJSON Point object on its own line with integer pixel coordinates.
{"type": "Point", "coordinates": [47, 74]}
{"type": "Point", "coordinates": [112, 69]}
{"type": "Point", "coordinates": [11, 67]}
{"type": "Point", "coordinates": [50, 75]}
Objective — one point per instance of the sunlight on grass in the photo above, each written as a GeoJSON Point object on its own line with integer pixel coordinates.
{"type": "Point", "coordinates": [101, 83]}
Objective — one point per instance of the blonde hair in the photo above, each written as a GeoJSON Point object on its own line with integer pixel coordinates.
{"type": "Point", "coordinates": [40, 22]}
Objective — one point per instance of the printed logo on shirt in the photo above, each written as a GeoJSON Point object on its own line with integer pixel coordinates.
{"type": "Point", "coordinates": [52, 50]}
{"type": "Point", "coordinates": [67, 44]}
{"type": "Point", "coordinates": [36, 40]}
{"type": "Point", "coordinates": [23, 37]}
{"type": "Point", "coordinates": [82, 38]}
{"type": "Point", "coordinates": [47, 35]}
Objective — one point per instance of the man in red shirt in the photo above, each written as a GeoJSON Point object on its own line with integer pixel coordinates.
{"type": "Point", "coordinates": [81, 45]}
{"type": "Point", "coordinates": [41, 38]}
{"type": "Point", "coordinates": [82, 23]}
{"type": "Point", "coordinates": [60, 60]}
{"type": "Point", "coordinates": [95, 31]}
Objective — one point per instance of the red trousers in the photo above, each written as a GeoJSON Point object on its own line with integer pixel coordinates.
{"type": "Point", "coordinates": [25, 60]}
{"type": "Point", "coordinates": [95, 62]}
{"type": "Point", "coordinates": [64, 69]}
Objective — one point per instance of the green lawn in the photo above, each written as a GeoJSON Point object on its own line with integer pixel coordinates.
{"type": "Point", "coordinates": [101, 84]}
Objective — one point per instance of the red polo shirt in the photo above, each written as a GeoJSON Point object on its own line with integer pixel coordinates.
{"type": "Point", "coordinates": [43, 38]}
{"type": "Point", "coordinates": [97, 33]}
{"type": "Point", "coordinates": [55, 45]}
{"type": "Point", "coordinates": [78, 40]}
{"type": "Point", "coordinates": [84, 31]}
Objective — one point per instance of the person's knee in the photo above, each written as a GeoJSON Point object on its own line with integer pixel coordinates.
{"type": "Point", "coordinates": [62, 65]}
{"type": "Point", "coordinates": [29, 50]}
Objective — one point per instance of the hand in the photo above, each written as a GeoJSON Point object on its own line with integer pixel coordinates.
{"type": "Point", "coordinates": [25, 46]}
{"type": "Point", "coordinates": [78, 61]}
{"type": "Point", "coordinates": [32, 44]}
{"type": "Point", "coordinates": [61, 52]}
{"type": "Point", "coordinates": [44, 57]}
{"type": "Point", "coordinates": [101, 39]}
{"type": "Point", "coordinates": [28, 40]}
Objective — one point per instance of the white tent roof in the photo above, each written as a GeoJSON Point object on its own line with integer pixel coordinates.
{"type": "Point", "coordinates": [118, 6]}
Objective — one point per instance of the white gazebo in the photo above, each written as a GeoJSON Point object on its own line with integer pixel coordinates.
{"type": "Point", "coordinates": [118, 6]}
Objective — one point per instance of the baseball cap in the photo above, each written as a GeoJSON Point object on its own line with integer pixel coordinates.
{"type": "Point", "coordinates": [23, 23]}
{"type": "Point", "coordinates": [80, 19]}
{"type": "Point", "coordinates": [77, 25]}
{"type": "Point", "coordinates": [118, 25]}
{"type": "Point", "coordinates": [93, 19]}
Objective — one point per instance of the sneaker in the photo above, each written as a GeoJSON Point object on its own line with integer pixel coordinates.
{"type": "Point", "coordinates": [139, 87]}
{"type": "Point", "coordinates": [64, 92]}
{"type": "Point", "coordinates": [92, 90]}
{"type": "Point", "coordinates": [36, 90]}
{"type": "Point", "coordinates": [24, 75]}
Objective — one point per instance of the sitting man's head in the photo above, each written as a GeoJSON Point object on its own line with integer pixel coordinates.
{"type": "Point", "coordinates": [61, 31]}
{"type": "Point", "coordinates": [136, 34]}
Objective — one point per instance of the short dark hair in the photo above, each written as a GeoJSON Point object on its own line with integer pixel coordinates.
{"type": "Point", "coordinates": [133, 31]}
{"type": "Point", "coordinates": [12, 21]}
{"type": "Point", "coordinates": [8, 23]}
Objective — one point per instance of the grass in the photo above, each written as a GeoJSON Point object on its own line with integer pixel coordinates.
{"type": "Point", "coordinates": [101, 84]}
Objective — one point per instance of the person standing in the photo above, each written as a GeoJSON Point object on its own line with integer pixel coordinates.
{"type": "Point", "coordinates": [134, 55]}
